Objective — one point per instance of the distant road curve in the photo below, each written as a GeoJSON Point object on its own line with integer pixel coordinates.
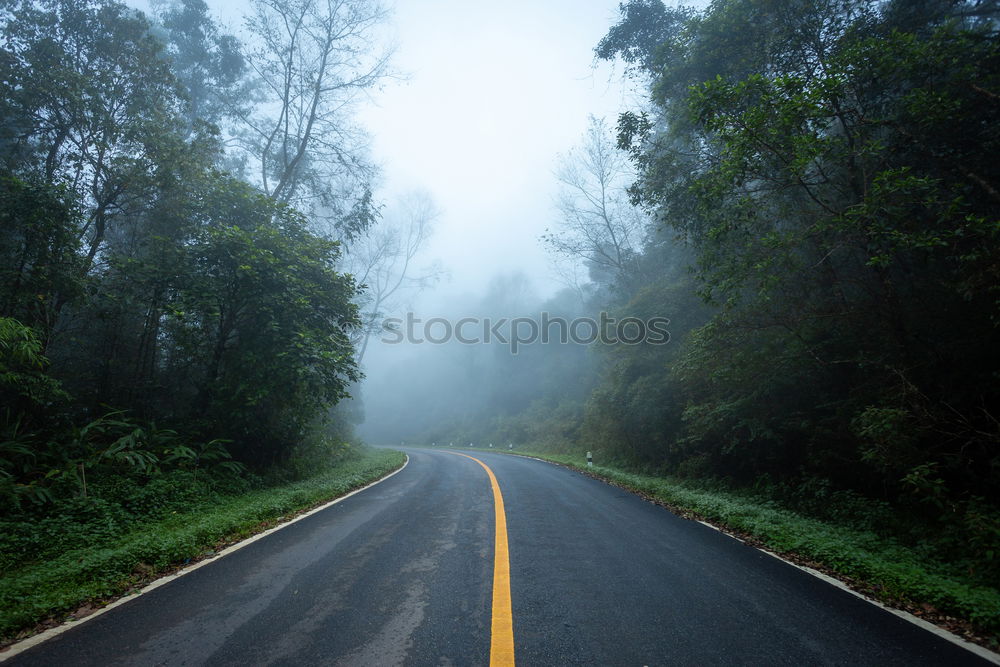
{"type": "Point", "coordinates": [402, 574]}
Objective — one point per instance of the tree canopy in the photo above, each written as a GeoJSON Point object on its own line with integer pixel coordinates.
{"type": "Point", "coordinates": [141, 282]}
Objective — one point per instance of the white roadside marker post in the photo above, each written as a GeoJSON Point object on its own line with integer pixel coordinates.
{"type": "Point", "coordinates": [590, 460]}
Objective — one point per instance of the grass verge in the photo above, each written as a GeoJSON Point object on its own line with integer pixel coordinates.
{"type": "Point", "coordinates": [43, 594]}
{"type": "Point", "coordinates": [873, 564]}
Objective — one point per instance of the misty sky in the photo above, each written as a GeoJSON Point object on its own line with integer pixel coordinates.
{"type": "Point", "coordinates": [495, 92]}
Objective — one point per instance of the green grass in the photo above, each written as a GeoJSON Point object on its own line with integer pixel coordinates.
{"type": "Point", "coordinates": [48, 589]}
{"type": "Point", "coordinates": [871, 561]}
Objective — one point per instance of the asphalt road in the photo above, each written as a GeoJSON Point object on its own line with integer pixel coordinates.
{"type": "Point", "coordinates": [402, 574]}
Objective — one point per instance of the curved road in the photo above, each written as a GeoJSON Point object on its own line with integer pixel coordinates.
{"type": "Point", "coordinates": [402, 573]}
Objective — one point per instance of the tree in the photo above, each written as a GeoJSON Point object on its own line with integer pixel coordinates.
{"type": "Point", "coordinates": [598, 226]}
{"type": "Point", "coordinates": [827, 165]}
{"type": "Point", "coordinates": [106, 115]}
{"type": "Point", "coordinates": [382, 262]}
{"type": "Point", "coordinates": [154, 282]}
{"type": "Point", "coordinates": [207, 63]}
{"type": "Point", "coordinates": [39, 263]}
{"type": "Point", "coordinates": [260, 323]}
{"type": "Point", "coordinates": [312, 59]}
{"type": "Point", "coordinates": [646, 26]}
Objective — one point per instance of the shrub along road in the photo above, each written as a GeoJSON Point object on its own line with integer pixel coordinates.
{"type": "Point", "coordinates": [402, 573]}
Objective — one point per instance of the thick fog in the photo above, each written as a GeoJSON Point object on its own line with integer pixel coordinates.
{"type": "Point", "coordinates": [489, 97]}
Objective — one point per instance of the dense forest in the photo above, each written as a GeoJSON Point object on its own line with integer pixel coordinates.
{"type": "Point", "coordinates": [175, 295]}
{"type": "Point", "coordinates": [810, 194]}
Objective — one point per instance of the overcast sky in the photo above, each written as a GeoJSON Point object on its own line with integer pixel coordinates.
{"type": "Point", "coordinates": [496, 90]}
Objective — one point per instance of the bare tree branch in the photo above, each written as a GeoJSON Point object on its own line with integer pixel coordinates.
{"type": "Point", "coordinates": [598, 227]}
{"type": "Point", "coordinates": [313, 59]}
{"type": "Point", "coordinates": [383, 259]}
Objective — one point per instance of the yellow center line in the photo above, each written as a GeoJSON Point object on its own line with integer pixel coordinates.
{"type": "Point", "coordinates": [502, 628]}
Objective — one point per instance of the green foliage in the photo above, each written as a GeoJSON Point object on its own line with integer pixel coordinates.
{"type": "Point", "coordinates": [828, 166]}
{"type": "Point", "coordinates": [44, 461]}
{"type": "Point", "coordinates": [22, 378]}
{"type": "Point", "coordinates": [207, 62]}
{"type": "Point", "coordinates": [181, 295]}
{"type": "Point", "coordinates": [39, 233]}
{"type": "Point", "coordinates": [27, 394]}
{"type": "Point", "coordinates": [107, 113]}
{"type": "Point", "coordinates": [634, 410]}
{"type": "Point", "coordinates": [267, 315]}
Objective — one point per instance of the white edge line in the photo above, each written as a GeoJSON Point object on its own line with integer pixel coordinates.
{"type": "Point", "coordinates": [982, 652]}
{"type": "Point", "coordinates": [35, 640]}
